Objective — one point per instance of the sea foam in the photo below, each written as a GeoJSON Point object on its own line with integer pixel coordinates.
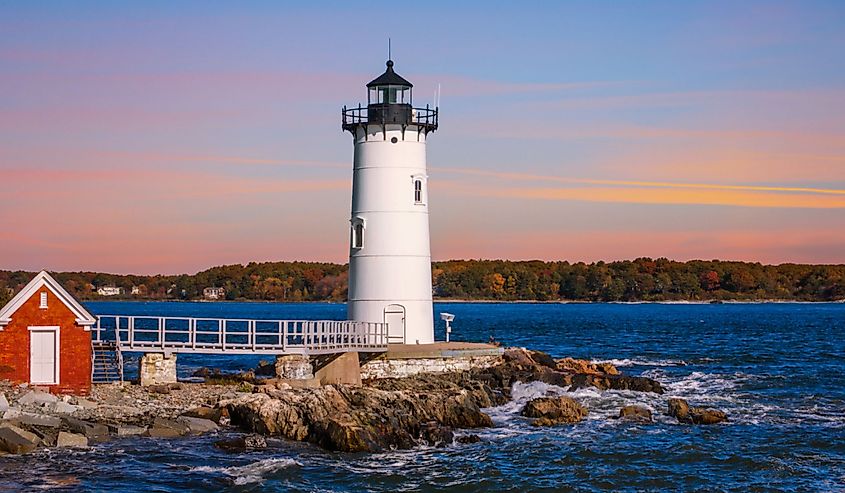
{"type": "Point", "coordinates": [253, 472]}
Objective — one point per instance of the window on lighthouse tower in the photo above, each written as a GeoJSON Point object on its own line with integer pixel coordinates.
{"type": "Point", "coordinates": [358, 235]}
{"type": "Point", "coordinates": [418, 191]}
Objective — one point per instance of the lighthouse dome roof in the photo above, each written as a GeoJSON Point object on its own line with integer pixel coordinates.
{"type": "Point", "coordinates": [389, 78]}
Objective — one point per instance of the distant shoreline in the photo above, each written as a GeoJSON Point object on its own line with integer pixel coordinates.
{"type": "Point", "coordinates": [491, 302]}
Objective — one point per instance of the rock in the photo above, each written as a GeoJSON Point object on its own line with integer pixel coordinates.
{"type": "Point", "coordinates": [31, 419]}
{"type": "Point", "coordinates": [585, 366]}
{"type": "Point", "coordinates": [65, 408]}
{"type": "Point", "coordinates": [213, 414]}
{"type": "Point", "coordinates": [615, 382]}
{"type": "Point", "coordinates": [243, 443]}
{"type": "Point", "coordinates": [154, 432]}
{"type": "Point", "coordinates": [198, 425]}
{"type": "Point", "coordinates": [265, 369]}
{"type": "Point", "coordinates": [123, 430]}
{"type": "Point", "coordinates": [543, 359]}
{"type": "Point", "coordinates": [17, 441]}
{"type": "Point", "coordinates": [680, 409]}
{"type": "Point", "coordinates": [12, 413]}
{"type": "Point", "coordinates": [95, 431]}
{"type": "Point", "coordinates": [71, 440]}
{"type": "Point", "coordinates": [707, 416]}
{"type": "Point", "coordinates": [167, 428]}
{"type": "Point", "coordinates": [174, 386]}
{"type": "Point", "coordinates": [158, 389]}
{"type": "Point", "coordinates": [85, 403]}
{"type": "Point", "coordinates": [636, 413]}
{"type": "Point", "coordinates": [518, 356]}
{"type": "Point", "coordinates": [37, 398]}
{"type": "Point", "coordinates": [468, 439]}
{"type": "Point", "coordinates": [388, 414]}
{"type": "Point", "coordinates": [4, 403]}
{"type": "Point", "coordinates": [437, 436]}
{"type": "Point", "coordinates": [554, 410]}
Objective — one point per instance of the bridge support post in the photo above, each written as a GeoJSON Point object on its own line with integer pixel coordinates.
{"type": "Point", "coordinates": [345, 369]}
{"type": "Point", "coordinates": [157, 368]}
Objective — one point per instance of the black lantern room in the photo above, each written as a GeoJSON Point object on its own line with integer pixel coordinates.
{"type": "Point", "coordinates": [389, 101]}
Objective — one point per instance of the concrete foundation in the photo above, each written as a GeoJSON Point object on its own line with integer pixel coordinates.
{"type": "Point", "coordinates": [157, 368]}
{"type": "Point", "coordinates": [345, 369]}
{"type": "Point", "coordinates": [403, 360]}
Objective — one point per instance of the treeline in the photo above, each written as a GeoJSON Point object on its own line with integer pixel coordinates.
{"type": "Point", "coordinates": [643, 279]}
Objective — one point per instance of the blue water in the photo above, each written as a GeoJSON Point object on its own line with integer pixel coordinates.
{"type": "Point", "coordinates": [776, 369]}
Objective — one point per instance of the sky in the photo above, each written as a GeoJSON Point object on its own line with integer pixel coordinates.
{"type": "Point", "coordinates": [169, 137]}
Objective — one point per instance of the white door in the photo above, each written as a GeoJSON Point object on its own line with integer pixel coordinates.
{"type": "Point", "coordinates": [44, 355]}
{"type": "Point", "coordinates": [394, 317]}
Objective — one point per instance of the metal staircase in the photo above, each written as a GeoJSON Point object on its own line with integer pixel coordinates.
{"type": "Point", "coordinates": [107, 362]}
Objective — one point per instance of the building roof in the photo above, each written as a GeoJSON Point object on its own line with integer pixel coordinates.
{"type": "Point", "coordinates": [43, 279]}
{"type": "Point", "coordinates": [389, 78]}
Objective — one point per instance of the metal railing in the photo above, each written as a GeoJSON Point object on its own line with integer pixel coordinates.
{"type": "Point", "coordinates": [239, 336]}
{"type": "Point", "coordinates": [424, 117]}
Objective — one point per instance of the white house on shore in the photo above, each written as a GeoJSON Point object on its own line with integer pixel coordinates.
{"type": "Point", "coordinates": [109, 291]}
{"type": "Point", "coordinates": [214, 293]}
{"type": "Point", "coordinates": [389, 251]}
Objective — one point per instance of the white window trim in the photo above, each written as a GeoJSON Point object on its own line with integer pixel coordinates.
{"type": "Point", "coordinates": [47, 328]}
{"type": "Point", "coordinates": [43, 300]}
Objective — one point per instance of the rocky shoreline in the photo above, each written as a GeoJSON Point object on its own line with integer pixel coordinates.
{"type": "Point", "coordinates": [382, 414]}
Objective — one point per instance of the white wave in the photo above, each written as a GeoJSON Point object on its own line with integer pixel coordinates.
{"type": "Point", "coordinates": [640, 362]}
{"type": "Point", "coordinates": [249, 473]}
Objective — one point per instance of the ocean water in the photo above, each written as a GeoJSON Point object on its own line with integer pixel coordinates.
{"type": "Point", "coordinates": [776, 369]}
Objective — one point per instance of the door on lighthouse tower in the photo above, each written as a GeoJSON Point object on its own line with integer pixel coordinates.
{"type": "Point", "coordinates": [394, 317]}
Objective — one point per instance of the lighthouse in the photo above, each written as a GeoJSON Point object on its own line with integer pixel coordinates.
{"type": "Point", "coordinates": [389, 247]}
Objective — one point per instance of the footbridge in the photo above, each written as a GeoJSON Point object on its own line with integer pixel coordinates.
{"type": "Point", "coordinates": [320, 340]}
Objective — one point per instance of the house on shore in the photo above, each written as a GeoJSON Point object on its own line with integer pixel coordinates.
{"type": "Point", "coordinates": [109, 291]}
{"type": "Point", "coordinates": [214, 293]}
{"type": "Point", "coordinates": [45, 338]}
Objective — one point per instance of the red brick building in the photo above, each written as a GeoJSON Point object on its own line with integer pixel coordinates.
{"type": "Point", "coordinates": [45, 338]}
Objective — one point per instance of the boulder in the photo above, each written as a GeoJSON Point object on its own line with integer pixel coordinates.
{"type": "Point", "coordinates": [71, 440]}
{"type": "Point", "coordinates": [85, 403]}
{"type": "Point", "coordinates": [543, 359]}
{"type": "Point", "coordinates": [198, 425]}
{"type": "Point", "coordinates": [158, 389]}
{"type": "Point", "coordinates": [37, 398]}
{"type": "Point", "coordinates": [32, 419]}
{"type": "Point", "coordinates": [389, 414]}
{"type": "Point", "coordinates": [585, 366]}
{"type": "Point", "coordinates": [167, 428]}
{"type": "Point", "coordinates": [14, 440]}
{"type": "Point", "coordinates": [615, 382]}
{"type": "Point", "coordinates": [436, 436]}
{"type": "Point", "coordinates": [242, 443]}
{"type": "Point", "coordinates": [680, 409]}
{"type": "Point", "coordinates": [554, 410]}
{"type": "Point", "coordinates": [95, 431]}
{"type": "Point", "coordinates": [64, 408]}
{"type": "Point", "coordinates": [707, 416]}
{"type": "Point", "coordinates": [124, 430]}
{"type": "Point", "coordinates": [4, 403]}
{"type": "Point", "coordinates": [468, 439]}
{"type": "Point", "coordinates": [213, 414]}
{"type": "Point", "coordinates": [636, 413]}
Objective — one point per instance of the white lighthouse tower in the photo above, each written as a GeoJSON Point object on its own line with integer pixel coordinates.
{"type": "Point", "coordinates": [390, 253]}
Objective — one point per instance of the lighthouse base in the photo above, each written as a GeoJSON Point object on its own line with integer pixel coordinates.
{"type": "Point", "coordinates": [409, 321]}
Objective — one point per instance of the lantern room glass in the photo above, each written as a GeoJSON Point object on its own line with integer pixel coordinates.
{"type": "Point", "coordinates": [390, 94]}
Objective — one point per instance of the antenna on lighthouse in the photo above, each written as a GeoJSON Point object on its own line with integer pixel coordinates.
{"type": "Point", "coordinates": [388, 50]}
